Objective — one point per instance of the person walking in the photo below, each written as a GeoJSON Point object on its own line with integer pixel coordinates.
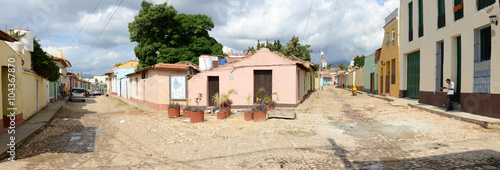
{"type": "Point", "coordinates": [61, 91]}
{"type": "Point", "coordinates": [451, 92]}
{"type": "Point", "coordinates": [65, 89]}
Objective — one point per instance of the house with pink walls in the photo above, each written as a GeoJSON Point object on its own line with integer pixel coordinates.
{"type": "Point", "coordinates": [290, 77]}
{"type": "Point", "coordinates": [155, 86]}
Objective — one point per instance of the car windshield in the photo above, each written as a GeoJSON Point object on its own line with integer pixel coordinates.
{"type": "Point", "coordinates": [78, 91]}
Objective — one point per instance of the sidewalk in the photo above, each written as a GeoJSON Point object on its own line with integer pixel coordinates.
{"type": "Point", "coordinates": [486, 122]}
{"type": "Point", "coordinates": [30, 127]}
{"type": "Point", "coordinates": [130, 102]}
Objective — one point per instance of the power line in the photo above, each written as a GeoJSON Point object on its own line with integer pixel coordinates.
{"type": "Point", "coordinates": [331, 25]}
{"type": "Point", "coordinates": [85, 23]}
{"type": "Point", "coordinates": [106, 22]}
{"type": "Point", "coordinates": [307, 22]}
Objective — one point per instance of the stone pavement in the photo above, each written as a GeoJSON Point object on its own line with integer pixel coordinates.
{"type": "Point", "coordinates": [486, 122]}
{"type": "Point", "coordinates": [30, 126]}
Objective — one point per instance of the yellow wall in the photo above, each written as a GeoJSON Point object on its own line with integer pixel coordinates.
{"type": "Point", "coordinates": [388, 53]}
{"type": "Point", "coordinates": [130, 64]}
{"type": "Point", "coordinates": [5, 53]}
{"type": "Point", "coordinates": [29, 86]}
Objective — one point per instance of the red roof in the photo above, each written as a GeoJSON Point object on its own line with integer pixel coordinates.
{"type": "Point", "coordinates": [163, 66]}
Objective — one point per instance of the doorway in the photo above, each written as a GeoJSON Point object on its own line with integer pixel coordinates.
{"type": "Point", "coordinates": [263, 79]}
{"type": "Point", "coordinates": [213, 88]}
{"type": "Point", "coordinates": [372, 83]}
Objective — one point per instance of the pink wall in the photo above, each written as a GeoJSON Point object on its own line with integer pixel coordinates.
{"type": "Point", "coordinates": [239, 76]}
{"type": "Point", "coordinates": [153, 91]}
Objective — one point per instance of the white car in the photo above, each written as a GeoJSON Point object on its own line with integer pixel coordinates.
{"type": "Point", "coordinates": [77, 94]}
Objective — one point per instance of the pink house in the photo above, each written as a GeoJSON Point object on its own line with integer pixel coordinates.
{"type": "Point", "coordinates": [290, 77]}
{"type": "Point", "coordinates": [152, 86]}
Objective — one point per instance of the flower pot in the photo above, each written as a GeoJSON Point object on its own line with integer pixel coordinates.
{"type": "Point", "coordinates": [186, 113]}
{"type": "Point", "coordinates": [197, 117]}
{"type": "Point", "coordinates": [271, 108]}
{"type": "Point", "coordinates": [248, 116]}
{"type": "Point", "coordinates": [172, 112]}
{"type": "Point", "coordinates": [221, 115]}
{"type": "Point", "coordinates": [259, 116]}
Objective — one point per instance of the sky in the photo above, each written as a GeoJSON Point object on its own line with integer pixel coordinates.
{"type": "Point", "coordinates": [93, 34]}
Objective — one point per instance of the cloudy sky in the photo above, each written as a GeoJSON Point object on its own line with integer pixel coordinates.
{"type": "Point", "coordinates": [93, 34]}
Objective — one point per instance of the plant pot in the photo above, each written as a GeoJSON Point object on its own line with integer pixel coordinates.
{"type": "Point", "coordinates": [259, 116]}
{"type": "Point", "coordinates": [186, 113]}
{"type": "Point", "coordinates": [221, 115]}
{"type": "Point", "coordinates": [271, 108]}
{"type": "Point", "coordinates": [173, 113]}
{"type": "Point", "coordinates": [248, 116]}
{"type": "Point", "coordinates": [197, 117]}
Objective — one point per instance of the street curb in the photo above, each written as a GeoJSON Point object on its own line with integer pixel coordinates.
{"type": "Point", "coordinates": [478, 121]}
{"type": "Point", "coordinates": [381, 97]}
{"type": "Point", "coordinates": [20, 141]}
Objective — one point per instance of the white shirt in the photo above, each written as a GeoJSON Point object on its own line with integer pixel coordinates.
{"type": "Point", "coordinates": [452, 86]}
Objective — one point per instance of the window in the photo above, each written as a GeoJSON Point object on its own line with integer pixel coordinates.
{"type": "Point", "coordinates": [459, 9]}
{"type": "Point", "coordinates": [144, 75]}
{"type": "Point", "coordinates": [441, 14]}
{"type": "Point", "coordinates": [484, 3]}
{"type": "Point", "coordinates": [393, 71]}
{"type": "Point", "coordinates": [393, 37]}
{"type": "Point", "coordinates": [482, 60]}
{"type": "Point", "coordinates": [439, 65]}
{"type": "Point", "coordinates": [410, 19]}
{"type": "Point", "coordinates": [420, 18]}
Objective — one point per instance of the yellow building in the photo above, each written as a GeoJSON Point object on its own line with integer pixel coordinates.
{"type": "Point", "coordinates": [129, 64]}
{"type": "Point", "coordinates": [30, 92]}
{"type": "Point", "coordinates": [388, 67]}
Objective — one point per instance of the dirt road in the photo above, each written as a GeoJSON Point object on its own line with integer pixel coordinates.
{"type": "Point", "coordinates": [338, 131]}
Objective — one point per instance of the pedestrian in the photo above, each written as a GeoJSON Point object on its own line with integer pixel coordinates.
{"type": "Point", "coordinates": [451, 92]}
{"type": "Point", "coordinates": [61, 91]}
{"type": "Point", "coordinates": [65, 89]}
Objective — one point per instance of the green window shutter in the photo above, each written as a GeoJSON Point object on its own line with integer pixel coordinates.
{"type": "Point", "coordinates": [441, 9]}
{"type": "Point", "coordinates": [485, 39]}
{"type": "Point", "coordinates": [420, 13]}
{"type": "Point", "coordinates": [458, 2]}
{"type": "Point", "coordinates": [410, 15]}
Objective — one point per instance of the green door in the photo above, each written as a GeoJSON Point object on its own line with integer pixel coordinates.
{"type": "Point", "coordinates": [458, 87]}
{"type": "Point", "coordinates": [413, 79]}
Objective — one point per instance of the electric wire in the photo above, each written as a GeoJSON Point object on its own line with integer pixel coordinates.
{"type": "Point", "coordinates": [307, 21]}
{"type": "Point", "coordinates": [85, 23]}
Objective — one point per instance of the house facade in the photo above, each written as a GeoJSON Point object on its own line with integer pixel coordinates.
{"type": "Point", "coordinates": [156, 86]}
{"type": "Point", "coordinates": [117, 81]}
{"type": "Point", "coordinates": [388, 67]}
{"type": "Point", "coordinates": [63, 64]}
{"type": "Point", "coordinates": [371, 74]}
{"type": "Point", "coordinates": [289, 77]}
{"type": "Point", "coordinates": [451, 39]}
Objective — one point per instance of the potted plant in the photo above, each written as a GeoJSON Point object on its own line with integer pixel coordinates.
{"type": "Point", "coordinates": [225, 99]}
{"type": "Point", "coordinates": [222, 114]}
{"type": "Point", "coordinates": [197, 113]}
{"type": "Point", "coordinates": [267, 99]}
{"type": "Point", "coordinates": [260, 112]}
{"type": "Point", "coordinates": [187, 110]}
{"type": "Point", "coordinates": [272, 105]}
{"type": "Point", "coordinates": [248, 113]}
{"type": "Point", "coordinates": [174, 110]}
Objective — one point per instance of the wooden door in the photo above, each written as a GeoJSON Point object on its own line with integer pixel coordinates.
{"type": "Point", "coordinates": [381, 85]}
{"type": "Point", "coordinates": [413, 78]}
{"type": "Point", "coordinates": [262, 79]}
{"type": "Point", "coordinates": [387, 84]}
{"type": "Point", "coordinates": [372, 83]}
{"type": "Point", "coordinates": [213, 88]}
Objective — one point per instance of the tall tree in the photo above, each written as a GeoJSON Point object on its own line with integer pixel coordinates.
{"type": "Point", "coordinates": [165, 36]}
{"type": "Point", "coordinates": [342, 66]}
{"type": "Point", "coordinates": [42, 64]}
{"type": "Point", "coordinates": [359, 61]}
{"type": "Point", "coordinates": [295, 48]}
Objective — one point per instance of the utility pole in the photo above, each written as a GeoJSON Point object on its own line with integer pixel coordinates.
{"type": "Point", "coordinates": [321, 68]}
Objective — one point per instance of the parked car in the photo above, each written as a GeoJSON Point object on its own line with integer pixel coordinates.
{"type": "Point", "coordinates": [96, 92]}
{"type": "Point", "coordinates": [77, 94]}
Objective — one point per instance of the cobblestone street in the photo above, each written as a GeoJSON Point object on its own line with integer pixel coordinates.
{"type": "Point", "coordinates": [337, 131]}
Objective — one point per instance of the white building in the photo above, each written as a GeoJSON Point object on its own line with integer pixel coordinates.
{"type": "Point", "coordinates": [451, 39]}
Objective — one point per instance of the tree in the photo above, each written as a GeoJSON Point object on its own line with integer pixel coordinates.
{"type": "Point", "coordinates": [294, 48]}
{"type": "Point", "coordinates": [118, 64]}
{"type": "Point", "coordinates": [42, 64]}
{"type": "Point", "coordinates": [342, 66]}
{"type": "Point", "coordinates": [329, 66]}
{"type": "Point", "coordinates": [359, 61]}
{"type": "Point", "coordinates": [165, 36]}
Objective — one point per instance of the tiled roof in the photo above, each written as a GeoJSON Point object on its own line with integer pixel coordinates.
{"type": "Point", "coordinates": [177, 66]}
{"type": "Point", "coordinates": [6, 37]}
